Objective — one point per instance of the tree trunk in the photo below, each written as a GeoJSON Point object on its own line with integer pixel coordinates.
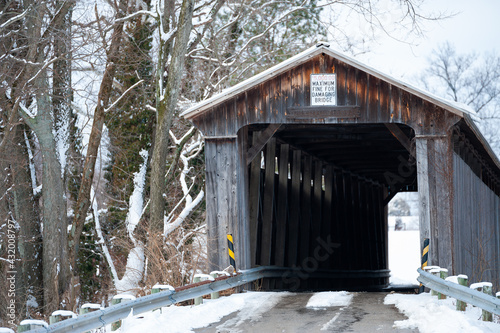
{"type": "Point", "coordinates": [29, 241]}
{"type": "Point", "coordinates": [165, 105]}
{"type": "Point", "coordinates": [83, 201]}
{"type": "Point", "coordinates": [56, 269]}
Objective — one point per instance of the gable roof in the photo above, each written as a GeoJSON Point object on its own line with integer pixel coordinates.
{"type": "Point", "coordinates": [204, 106]}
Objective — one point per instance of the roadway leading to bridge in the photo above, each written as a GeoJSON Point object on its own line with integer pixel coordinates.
{"type": "Point", "coordinates": [366, 313]}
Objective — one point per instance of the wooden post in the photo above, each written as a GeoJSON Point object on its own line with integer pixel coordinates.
{"type": "Point", "coordinates": [214, 295]}
{"type": "Point", "coordinates": [60, 315]}
{"type": "Point", "coordinates": [89, 307]}
{"type": "Point", "coordinates": [221, 181]}
{"type": "Point", "coordinates": [31, 324]}
{"type": "Point", "coordinates": [435, 187]}
{"type": "Point", "coordinates": [487, 316]}
{"type": "Point", "coordinates": [463, 281]}
{"type": "Point", "coordinates": [117, 299]}
{"type": "Point", "coordinates": [436, 272]}
{"type": "Point", "coordinates": [443, 274]}
{"type": "Point", "coordinates": [197, 300]}
{"type": "Point", "coordinates": [157, 288]}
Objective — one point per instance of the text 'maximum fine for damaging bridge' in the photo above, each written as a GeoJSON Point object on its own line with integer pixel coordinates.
{"type": "Point", "coordinates": [284, 175]}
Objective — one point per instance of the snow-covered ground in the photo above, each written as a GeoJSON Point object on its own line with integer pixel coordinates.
{"type": "Point", "coordinates": [404, 256]}
{"type": "Point", "coordinates": [425, 313]}
{"type": "Point", "coordinates": [431, 315]}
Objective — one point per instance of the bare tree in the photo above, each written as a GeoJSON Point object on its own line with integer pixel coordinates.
{"type": "Point", "coordinates": [470, 79]}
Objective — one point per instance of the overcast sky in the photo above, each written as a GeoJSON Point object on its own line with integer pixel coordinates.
{"type": "Point", "coordinates": [475, 27]}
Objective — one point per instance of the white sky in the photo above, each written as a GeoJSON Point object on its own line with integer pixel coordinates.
{"type": "Point", "coordinates": [475, 27]}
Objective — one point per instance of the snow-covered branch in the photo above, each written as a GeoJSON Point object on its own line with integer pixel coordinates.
{"type": "Point", "coordinates": [123, 95]}
{"type": "Point", "coordinates": [189, 151]}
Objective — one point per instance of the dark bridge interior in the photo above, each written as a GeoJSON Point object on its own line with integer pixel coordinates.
{"type": "Point", "coordinates": [318, 199]}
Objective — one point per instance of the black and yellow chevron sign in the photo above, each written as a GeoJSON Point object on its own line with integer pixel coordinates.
{"type": "Point", "coordinates": [425, 253]}
{"type": "Point", "coordinates": [425, 259]}
{"type": "Point", "coordinates": [230, 249]}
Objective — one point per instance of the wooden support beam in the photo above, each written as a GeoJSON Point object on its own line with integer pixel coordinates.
{"type": "Point", "coordinates": [401, 136]}
{"type": "Point", "coordinates": [261, 140]}
{"type": "Point", "coordinates": [309, 112]}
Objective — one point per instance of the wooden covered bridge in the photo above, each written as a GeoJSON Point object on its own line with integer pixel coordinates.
{"type": "Point", "coordinates": [302, 160]}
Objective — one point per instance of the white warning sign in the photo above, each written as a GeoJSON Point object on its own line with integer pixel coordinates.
{"type": "Point", "coordinates": [323, 89]}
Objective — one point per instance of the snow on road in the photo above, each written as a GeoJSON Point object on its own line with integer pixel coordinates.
{"type": "Point", "coordinates": [425, 313]}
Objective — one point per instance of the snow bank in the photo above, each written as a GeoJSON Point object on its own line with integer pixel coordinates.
{"type": "Point", "coordinates": [6, 330]}
{"type": "Point", "coordinates": [430, 315]}
{"type": "Point", "coordinates": [328, 299]}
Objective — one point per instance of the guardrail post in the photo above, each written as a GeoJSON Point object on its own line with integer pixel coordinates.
{"type": "Point", "coordinates": [89, 307]}
{"type": "Point", "coordinates": [159, 288]}
{"type": "Point", "coordinates": [197, 300]}
{"type": "Point", "coordinates": [214, 295]}
{"type": "Point", "coordinates": [117, 299]}
{"type": "Point", "coordinates": [487, 316]}
{"type": "Point", "coordinates": [31, 324]}
{"type": "Point", "coordinates": [443, 274]}
{"type": "Point", "coordinates": [463, 281]}
{"type": "Point", "coordinates": [60, 315]}
{"type": "Point", "coordinates": [436, 272]}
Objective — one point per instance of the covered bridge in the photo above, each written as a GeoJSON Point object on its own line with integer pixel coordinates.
{"type": "Point", "coordinates": [301, 164]}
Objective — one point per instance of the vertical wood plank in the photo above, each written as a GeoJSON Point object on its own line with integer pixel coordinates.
{"type": "Point", "coordinates": [293, 230]}
{"type": "Point", "coordinates": [351, 86]}
{"type": "Point", "coordinates": [326, 230]}
{"type": "Point", "coordinates": [316, 205]}
{"type": "Point", "coordinates": [268, 203]}
{"type": "Point", "coordinates": [350, 249]}
{"type": "Point", "coordinates": [242, 204]}
{"type": "Point", "coordinates": [305, 208]}
{"type": "Point", "coordinates": [211, 204]}
{"type": "Point", "coordinates": [281, 218]}
{"type": "Point", "coordinates": [254, 193]}
{"type": "Point", "coordinates": [341, 72]}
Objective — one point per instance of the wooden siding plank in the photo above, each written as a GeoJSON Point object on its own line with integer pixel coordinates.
{"type": "Point", "coordinates": [362, 93]}
{"type": "Point", "coordinates": [293, 230]}
{"type": "Point", "coordinates": [211, 203]}
{"type": "Point", "coordinates": [373, 106]}
{"type": "Point", "coordinates": [298, 86]}
{"type": "Point", "coordinates": [384, 101]}
{"type": "Point", "coordinates": [341, 71]}
{"type": "Point", "coordinates": [326, 229]}
{"type": "Point", "coordinates": [254, 193]}
{"type": "Point", "coordinates": [281, 218]}
{"type": "Point", "coordinates": [242, 204]}
{"type": "Point", "coordinates": [305, 223]}
{"type": "Point", "coordinates": [317, 204]}
{"type": "Point", "coordinates": [268, 203]}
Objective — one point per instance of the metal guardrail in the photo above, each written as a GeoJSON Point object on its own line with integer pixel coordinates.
{"type": "Point", "coordinates": [147, 303]}
{"type": "Point", "coordinates": [462, 293]}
